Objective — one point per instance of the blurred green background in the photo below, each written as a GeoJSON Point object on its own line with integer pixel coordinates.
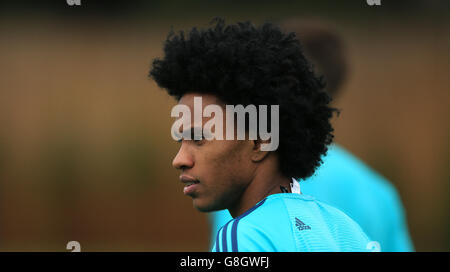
{"type": "Point", "coordinates": [85, 146]}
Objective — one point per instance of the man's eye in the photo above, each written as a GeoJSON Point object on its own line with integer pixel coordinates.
{"type": "Point", "coordinates": [199, 141]}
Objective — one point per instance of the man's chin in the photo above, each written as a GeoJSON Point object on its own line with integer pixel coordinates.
{"type": "Point", "coordinates": [205, 207]}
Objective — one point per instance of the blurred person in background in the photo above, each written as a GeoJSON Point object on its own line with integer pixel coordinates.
{"type": "Point", "coordinates": [343, 181]}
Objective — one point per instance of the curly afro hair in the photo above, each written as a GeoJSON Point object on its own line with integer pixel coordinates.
{"type": "Point", "coordinates": [245, 64]}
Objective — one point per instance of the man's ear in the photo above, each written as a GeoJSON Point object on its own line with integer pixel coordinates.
{"type": "Point", "coordinates": [257, 154]}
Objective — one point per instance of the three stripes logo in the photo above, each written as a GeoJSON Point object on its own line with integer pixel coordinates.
{"type": "Point", "coordinates": [300, 225]}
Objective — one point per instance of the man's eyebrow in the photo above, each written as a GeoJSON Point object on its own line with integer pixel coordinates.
{"type": "Point", "coordinates": [191, 131]}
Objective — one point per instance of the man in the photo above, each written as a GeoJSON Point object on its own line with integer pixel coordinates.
{"type": "Point", "coordinates": [246, 65]}
{"type": "Point", "coordinates": [344, 181]}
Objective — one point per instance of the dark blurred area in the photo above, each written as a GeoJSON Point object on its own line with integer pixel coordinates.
{"type": "Point", "coordinates": [85, 146]}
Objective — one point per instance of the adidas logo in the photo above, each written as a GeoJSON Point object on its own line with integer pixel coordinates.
{"type": "Point", "coordinates": [300, 225]}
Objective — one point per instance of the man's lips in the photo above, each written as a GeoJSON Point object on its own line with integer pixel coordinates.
{"type": "Point", "coordinates": [191, 184]}
{"type": "Point", "coordinates": [188, 179]}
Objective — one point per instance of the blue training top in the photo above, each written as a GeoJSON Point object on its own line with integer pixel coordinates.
{"type": "Point", "coordinates": [291, 222]}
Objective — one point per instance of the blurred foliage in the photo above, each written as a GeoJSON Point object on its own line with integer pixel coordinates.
{"type": "Point", "coordinates": [128, 161]}
{"type": "Point", "coordinates": [60, 160]}
{"type": "Point", "coordinates": [136, 157]}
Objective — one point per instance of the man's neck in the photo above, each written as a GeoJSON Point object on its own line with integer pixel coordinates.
{"type": "Point", "coordinates": [264, 183]}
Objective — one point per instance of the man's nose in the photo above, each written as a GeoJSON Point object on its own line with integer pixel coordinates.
{"type": "Point", "coordinates": [183, 159]}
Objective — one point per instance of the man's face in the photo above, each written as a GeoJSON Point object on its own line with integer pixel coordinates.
{"type": "Point", "coordinates": [220, 170]}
